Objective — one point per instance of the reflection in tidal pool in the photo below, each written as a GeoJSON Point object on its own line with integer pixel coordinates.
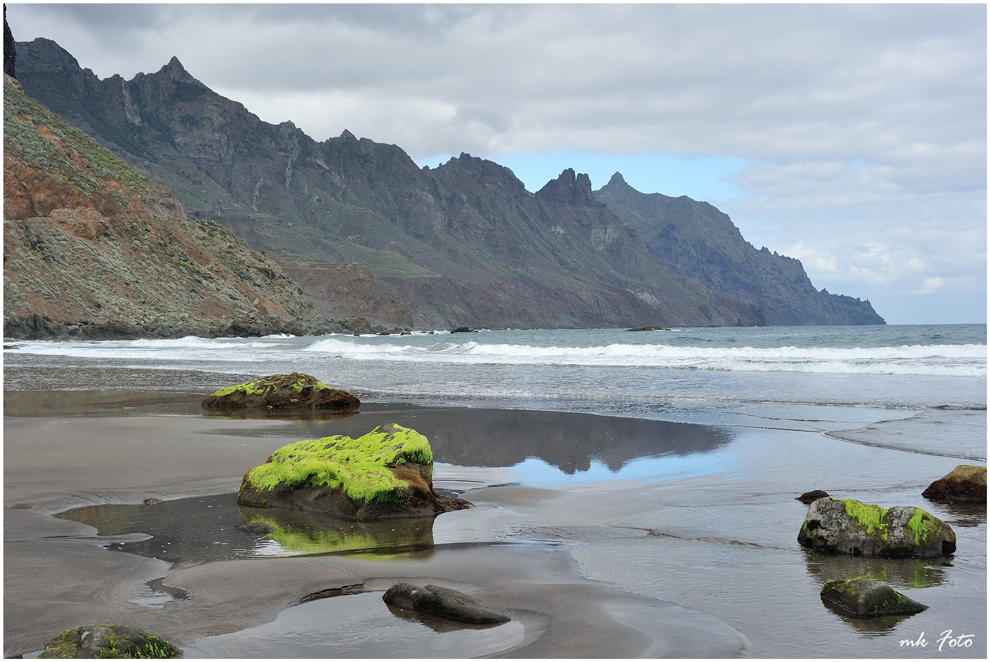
{"type": "Point", "coordinates": [215, 528]}
{"type": "Point", "coordinates": [363, 627]}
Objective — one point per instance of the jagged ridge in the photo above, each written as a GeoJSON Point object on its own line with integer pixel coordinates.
{"type": "Point", "coordinates": [464, 243]}
{"type": "Point", "coordinates": [704, 244]}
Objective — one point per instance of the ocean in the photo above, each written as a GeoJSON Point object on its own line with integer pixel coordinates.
{"type": "Point", "coordinates": [688, 495]}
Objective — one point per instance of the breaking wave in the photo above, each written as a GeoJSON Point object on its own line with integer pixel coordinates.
{"type": "Point", "coordinates": [936, 360]}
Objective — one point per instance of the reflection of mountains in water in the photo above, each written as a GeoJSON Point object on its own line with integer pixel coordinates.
{"type": "Point", "coordinates": [504, 438]}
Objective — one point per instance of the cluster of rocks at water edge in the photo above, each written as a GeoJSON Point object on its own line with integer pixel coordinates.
{"type": "Point", "coordinates": [848, 526]}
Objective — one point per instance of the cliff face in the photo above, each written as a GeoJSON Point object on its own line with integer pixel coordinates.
{"type": "Point", "coordinates": [464, 243]}
{"type": "Point", "coordinates": [704, 243]}
{"type": "Point", "coordinates": [92, 249]}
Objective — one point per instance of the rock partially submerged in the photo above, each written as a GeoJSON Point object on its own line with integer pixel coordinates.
{"type": "Point", "coordinates": [863, 597]}
{"type": "Point", "coordinates": [649, 328]}
{"type": "Point", "coordinates": [444, 602]}
{"type": "Point", "coordinates": [385, 473]}
{"type": "Point", "coordinates": [964, 484]}
{"type": "Point", "coordinates": [848, 526]}
{"type": "Point", "coordinates": [814, 495]}
{"type": "Point", "coordinates": [295, 391]}
{"type": "Point", "coordinates": [109, 641]}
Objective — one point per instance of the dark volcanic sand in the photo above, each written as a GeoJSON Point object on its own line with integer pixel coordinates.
{"type": "Point", "coordinates": [660, 513]}
{"type": "Point", "coordinates": [57, 573]}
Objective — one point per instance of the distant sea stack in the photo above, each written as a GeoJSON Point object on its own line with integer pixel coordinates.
{"type": "Point", "coordinates": [463, 244]}
{"type": "Point", "coordinates": [704, 243]}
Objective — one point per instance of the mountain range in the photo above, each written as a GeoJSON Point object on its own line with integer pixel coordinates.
{"type": "Point", "coordinates": [364, 231]}
{"type": "Point", "coordinates": [93, 249]}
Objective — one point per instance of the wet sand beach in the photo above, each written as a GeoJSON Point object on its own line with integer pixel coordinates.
{"type": "Point", "coordinates": [603, 536]}
{"type": "Point", "coordinates": [57, 573]}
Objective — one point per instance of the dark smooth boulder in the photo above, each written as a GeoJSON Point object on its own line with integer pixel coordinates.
{"type": "Point", "coordinates": [964, 484]}
{"type": "Point", "coordinates": [813, 495]}
{"type": "Point", "coordinates": [294, 391]}
{"type": "Point", "coordinates": [862, 597]}
{"type": "Point", "coordinates": [109, 641]}
{"type": "Point", "coordinates": [385, 473]}
{"type": "Point", "coordinates": [649, 328]}
{"type": "Point", "coordinates": [445, 602]}
{"type": "Point", "coordinates": [463, 329]}
{"type": "Point", "coordinates": [848, 526]}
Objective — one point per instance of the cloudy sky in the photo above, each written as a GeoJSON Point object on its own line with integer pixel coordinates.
{"type": "Point", "coordinates": [851, 137]}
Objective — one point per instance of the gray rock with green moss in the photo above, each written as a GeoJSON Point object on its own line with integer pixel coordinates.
{"type": "Point", "coordinates": [445, 602]}
{"type": "Point", "coordinates": [294, 391]}
{"type": "Point", "coordinates": [385, 473]}
{"type": "Point", "coordinates": [109, 641]}
{"type": "Point", "coordinates": [837, 526]}
{"type": "Point", "coordinates": [863, 597]}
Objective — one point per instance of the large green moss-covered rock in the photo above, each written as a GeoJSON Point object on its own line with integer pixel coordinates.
{"type": "Point", "coordinates": [964, 484]}
{"type": "Point", "coordinates": [294, 391]}
{"type": "Point", "coordinates": [109, 642]}
{"type": "Point", "coordinates": [837, 526]}
{"type": "Point", "coordinates": [385, 473]}
{"type": "Point", "coordinates": [863, 597]}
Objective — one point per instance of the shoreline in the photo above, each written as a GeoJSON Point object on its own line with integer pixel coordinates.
{"type": "Point", "coordinates": [57, 573]}
{"type": "Point", "coordinates": [651, 559]}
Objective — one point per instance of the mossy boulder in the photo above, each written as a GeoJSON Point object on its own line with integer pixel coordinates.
{"type": "Point", "coordinates": [109, 641]}
{"type": "Point", "coordinates": [295, 391]}
{"type": "Point", "coordinates": [385, 473]}
{"type": "Point", "coordinates": [444, 602]}
{"type": "Point", "coordinates": [964, 484]}
{"type": "Point", "coordinates": [863, 597]}
{"type": "Point", "coordinates": [837, 526]}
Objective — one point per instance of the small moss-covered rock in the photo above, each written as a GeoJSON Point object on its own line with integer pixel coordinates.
{"type": "Point", "coordinates": [294, 391]}
{"type": "Point", "coordinates": [385, 473]}
{"type": "Point", "coordinates": [445, 602]}
{"type": "Point", "coordinates": [964, 484]}
{"type": "Point", "coordinates": [849, 526]}
{"type": "Point", "coordinates": [862, 597]}
{"type": "Point", "coordinates": [109, 641]}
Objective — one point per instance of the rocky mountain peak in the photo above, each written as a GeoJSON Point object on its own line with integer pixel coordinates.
{"type": "Point", "coordinates": [569, 188]}
{"type": "Point", "coordinates": [176, 72]}
{"type": "Point", "coordinates": [46, 55]}
{"type": "Point", "coordinates": [616, 181]}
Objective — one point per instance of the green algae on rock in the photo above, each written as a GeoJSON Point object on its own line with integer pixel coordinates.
{"type": "Point", "coordinates": [964, 484]}
{"type": "Point", "coordinates": [111, 642]}
{"type": "Point", "coordinates": [294, 391]}
{"type": "Point", "coordinates": [864, 597]}
{"type": "Point", "coordinates": [849, 526]}
{"type": "Point", "coordinates": [385, 473]}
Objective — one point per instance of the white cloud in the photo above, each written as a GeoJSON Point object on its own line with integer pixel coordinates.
{"type": "Point", "coordinates": [930, 285]}
{"type": "Point", "coordinates": [863, 127]}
